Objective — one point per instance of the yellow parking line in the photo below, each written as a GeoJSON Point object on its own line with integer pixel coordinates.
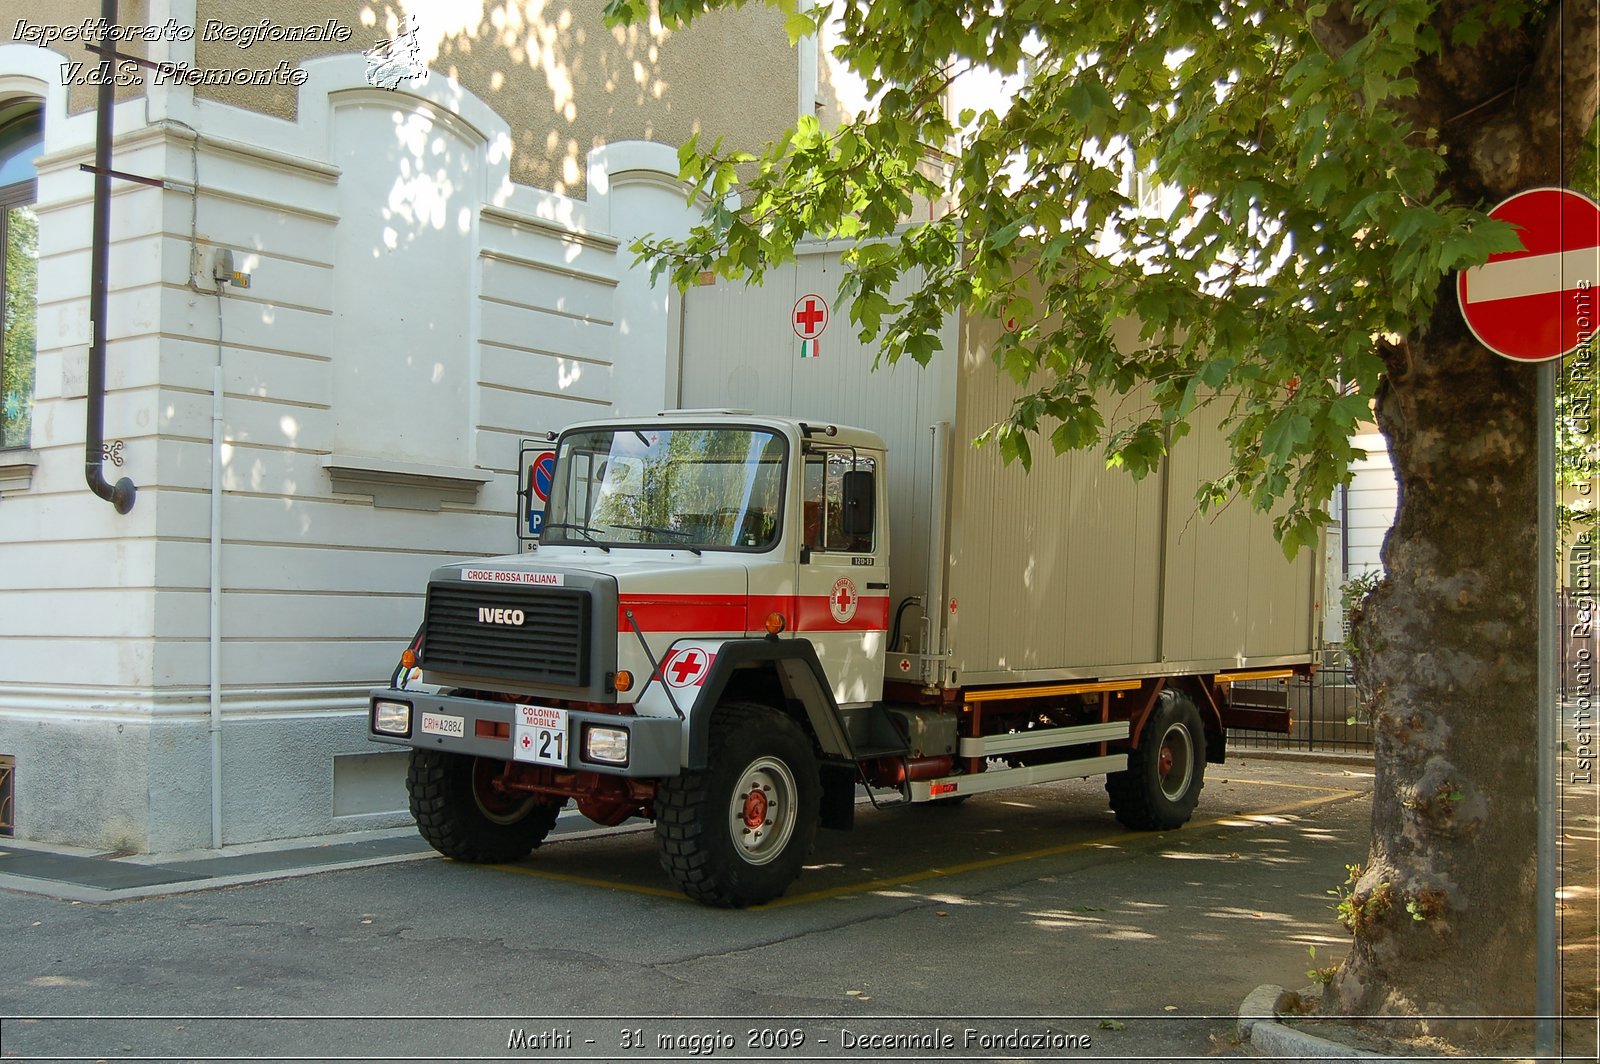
{"type": "Point", "coordinates": [1032, 855]}
{"type": "Point", "coordinates": [935, 873]}
{"type": "Point", "coordinates": [1291, 786]}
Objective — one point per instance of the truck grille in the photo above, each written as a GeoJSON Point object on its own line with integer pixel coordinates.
{"type": "Point", "coordinates": [550, 645]}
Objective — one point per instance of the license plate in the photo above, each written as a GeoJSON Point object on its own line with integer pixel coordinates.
{"type": "Point", "coordinates": [540, 735]}
{"type": "Point", "coordinates": [441, 724]}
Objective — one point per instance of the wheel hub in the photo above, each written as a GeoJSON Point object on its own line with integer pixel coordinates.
{"type": "Point", "coordinates": [763, 810]}
{"type": "Point", "coordinates": [1175, 762]}
{"type": "Point", "coordinates": [755, 808]}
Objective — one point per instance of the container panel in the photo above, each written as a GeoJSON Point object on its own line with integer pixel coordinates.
{"type": "Point", "coordinates": [1230, 593]}
{"type": "Point", "coordinates": [741, 351]}
{"type": "Point", "coordinates": [1054, 569]}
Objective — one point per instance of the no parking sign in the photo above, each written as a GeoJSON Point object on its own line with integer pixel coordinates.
{"type": "Point", "coordinates": [538, 464]}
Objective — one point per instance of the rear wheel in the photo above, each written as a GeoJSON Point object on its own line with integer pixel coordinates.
{"type": "Point", "coordinates": [1162, 783]}
{"type": "Point", "coordinates": [462, 812]}
{"type": "Point", "coordinates": [737, 833]}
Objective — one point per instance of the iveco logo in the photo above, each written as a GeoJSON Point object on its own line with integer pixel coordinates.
{"type": "Point", "coordinates": [493, 616]}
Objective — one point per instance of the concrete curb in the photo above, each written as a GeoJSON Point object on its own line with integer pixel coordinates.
{"type": "Point", "coordinates": [211, 869]}
{"type": "Point", "coordinates": [1269, 1039]}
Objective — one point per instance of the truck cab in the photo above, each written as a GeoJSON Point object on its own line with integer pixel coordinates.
{"type": "Point", "coordinates": [713, 522]}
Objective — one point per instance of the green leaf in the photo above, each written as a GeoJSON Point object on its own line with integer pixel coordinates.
{"type": "Point", "coordinates": [1007, 235]}
{"type": "Point", "coordinates": [1285, 434]}
{"type": "Point", "coordinates": [799, 24]}
{"type": "Point", "coordinates": [922, 347]}
{"type": "Point", "coordinates": [1081, 101]}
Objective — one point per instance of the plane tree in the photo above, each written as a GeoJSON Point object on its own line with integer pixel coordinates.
{"type": "Point", "coordinates": [1327, 166]}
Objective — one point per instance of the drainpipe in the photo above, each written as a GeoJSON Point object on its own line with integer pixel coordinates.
{"type": "Point", "coordinates": [121, 494]}
{"type": "Point", "coordinates": [1344, 533]}
{"type": "Point", "coordinates": [215, 636]}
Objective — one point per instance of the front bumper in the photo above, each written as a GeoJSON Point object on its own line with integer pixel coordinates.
{"type": "Point", "coordinates": [483, 728]}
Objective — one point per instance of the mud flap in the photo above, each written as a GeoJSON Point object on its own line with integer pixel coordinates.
{"type": "Point", "coordinates": [838, 810]}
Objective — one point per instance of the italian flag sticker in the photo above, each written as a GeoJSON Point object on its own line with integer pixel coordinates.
{"type": "Point", "coordinates": [810, 318]}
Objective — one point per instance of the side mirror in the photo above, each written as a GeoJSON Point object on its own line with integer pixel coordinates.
{"type": "Point", "coordinates": [859, 496]}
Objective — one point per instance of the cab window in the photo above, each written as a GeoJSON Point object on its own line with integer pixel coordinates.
{"type": "Point", "coordinates": [824, 502]}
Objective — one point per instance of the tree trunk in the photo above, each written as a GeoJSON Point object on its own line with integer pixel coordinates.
{"type": "Point", "coordinates": [1446, 645]}
{"type": "Point", "coordinates": [1443, 910]}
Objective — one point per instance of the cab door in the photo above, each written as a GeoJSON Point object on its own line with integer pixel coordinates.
{"type": "Point", "coordinates": [843, 579]}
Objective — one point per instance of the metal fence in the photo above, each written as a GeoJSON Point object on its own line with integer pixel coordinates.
{"type": "Point", "coordinates": [1325, 712]}
{"type": "Point", "coordinates": [8, 775]}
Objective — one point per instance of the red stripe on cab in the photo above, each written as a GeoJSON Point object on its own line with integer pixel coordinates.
{"type": "Point", "coordinates": [716, 614]}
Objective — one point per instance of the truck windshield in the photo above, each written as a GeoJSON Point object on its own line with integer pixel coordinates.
{"type": "Point", "coordinates": [650, 485]}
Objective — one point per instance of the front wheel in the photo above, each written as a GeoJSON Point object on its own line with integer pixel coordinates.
{"type": "Point", "coordinates": [737, 833]}
{"type": "Point", "coordinates": [1162, 783]}
{"type": "Point", "coordinates": [462, 812]}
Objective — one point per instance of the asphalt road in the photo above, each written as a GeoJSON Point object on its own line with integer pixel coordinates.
{"type": "Point", "coordinates": [1022, 925]}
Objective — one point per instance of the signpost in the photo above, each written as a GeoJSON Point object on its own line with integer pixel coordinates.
{"type": "Point", "coordinates": [1524, 305]}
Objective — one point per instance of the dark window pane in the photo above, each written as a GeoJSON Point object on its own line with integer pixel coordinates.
{"type": "Point", "coordinates": [21, 313]}
{"type": "Point", "coordinates": [21, 140]}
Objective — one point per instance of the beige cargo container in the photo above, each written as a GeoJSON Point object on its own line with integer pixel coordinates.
{"type": "Point", "coordinates": [1072, 571]}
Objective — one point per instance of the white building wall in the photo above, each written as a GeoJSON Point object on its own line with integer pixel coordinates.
{"type": "Point", "coordinates": [411, 315]}
{"type": "Point", "coordinates": [1372, 499]}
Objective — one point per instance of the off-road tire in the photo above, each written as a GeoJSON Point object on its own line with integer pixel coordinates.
{"type": "Point", "coordinates": [1143, 797]}
{"type": "Point", "coordinates": [464, 825]}
{"type": "Point", "coordinates": [708, 847]}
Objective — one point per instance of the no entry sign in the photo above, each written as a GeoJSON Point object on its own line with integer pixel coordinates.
{"type": "Point", "coordinates": [1537, 303]}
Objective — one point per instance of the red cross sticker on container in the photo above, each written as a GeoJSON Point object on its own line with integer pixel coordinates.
{"type": "Point", "coordinates": [810, 318]}
{"type": "Point", "coordinates": [686, 667]}
{"type": "Point", "coordinates": [1008, 319]}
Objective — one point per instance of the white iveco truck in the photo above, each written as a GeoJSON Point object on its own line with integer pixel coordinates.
{"type": "Point", "coordinates": [716, 630]}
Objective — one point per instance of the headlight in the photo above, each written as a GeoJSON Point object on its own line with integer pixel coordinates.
{"type": "Point", "coordinates": [609, 745]}
{"type": "Point", "coordinates": [391, 718]}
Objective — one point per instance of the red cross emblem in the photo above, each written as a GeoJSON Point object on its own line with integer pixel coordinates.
{"type": "Point", "coordinates": [687, 667]}
{"type": "Point", "coordinates": [526, 742]}
{"type": "Point", "coordinates": [810, 316]}
{"type": "Point", "coordinates": [842, 600]}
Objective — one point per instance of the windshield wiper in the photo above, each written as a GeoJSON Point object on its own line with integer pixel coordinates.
{"type": "Point", "coordinates": [658, 530]}
{"type": "Point", "coordinates": [582, 531]}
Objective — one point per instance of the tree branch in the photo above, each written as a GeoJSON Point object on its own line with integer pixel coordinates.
{"type": "Point", "coordinates": [1537, 139]}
